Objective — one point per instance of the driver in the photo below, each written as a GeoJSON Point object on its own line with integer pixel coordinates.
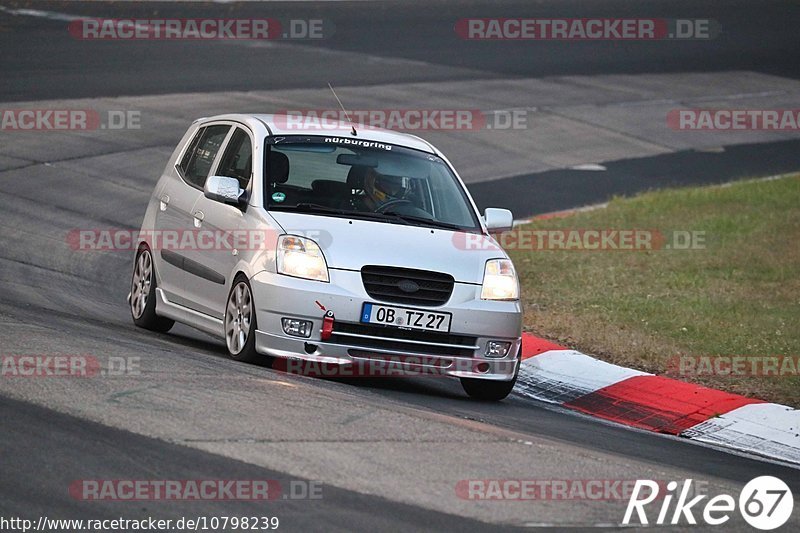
{"type": "Point", "coordinates": [381, 190]}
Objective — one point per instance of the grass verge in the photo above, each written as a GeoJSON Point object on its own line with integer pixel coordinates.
{"type": "Point", "coordinates": [731, 298]}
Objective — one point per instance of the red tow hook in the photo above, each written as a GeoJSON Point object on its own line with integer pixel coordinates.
{"type": "Point", "coordinates": [327, 325]}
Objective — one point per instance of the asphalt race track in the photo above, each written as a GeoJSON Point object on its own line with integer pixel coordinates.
{"type": "Point", "coordinates": [388, 453]}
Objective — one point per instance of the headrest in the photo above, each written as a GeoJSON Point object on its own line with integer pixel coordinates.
{"type": "Point", "coordinates": [355, 177]}
{"type": "Point", "coordinates": [278, 167]}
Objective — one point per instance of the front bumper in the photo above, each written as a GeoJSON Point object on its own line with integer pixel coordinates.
{"type": "Point", "coordinates": [461, 354]}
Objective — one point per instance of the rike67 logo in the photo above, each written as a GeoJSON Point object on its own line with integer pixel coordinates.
{"type": "Point", "coordinates": [765, 503]}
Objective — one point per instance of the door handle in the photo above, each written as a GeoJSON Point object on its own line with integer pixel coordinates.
{"type": "Point", "coordinates": [198, 219]}
{"type": "Point", "coordinates": [164, 202]}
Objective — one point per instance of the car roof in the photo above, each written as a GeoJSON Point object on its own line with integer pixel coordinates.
{"type": "Point", "coordinates": [280, 125]}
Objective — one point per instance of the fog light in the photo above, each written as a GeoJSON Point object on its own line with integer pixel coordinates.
{"type": "Point", "coordinates": [296, 328]}
{"type": "Point", "coordinates": [497, 348]}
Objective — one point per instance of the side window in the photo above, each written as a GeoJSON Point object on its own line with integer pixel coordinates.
{"type": "Point", "coordinates": [237, 161]}
{"type": "Point", "coordinates": [187, 155]}
{"type": "Point", "coordinates": [197, 161]}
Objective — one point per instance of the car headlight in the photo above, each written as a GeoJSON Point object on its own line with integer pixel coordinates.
{"type": "Point", "coordinates": [301, 258]}
{"type": "Point", "coordinates": [500, 281]}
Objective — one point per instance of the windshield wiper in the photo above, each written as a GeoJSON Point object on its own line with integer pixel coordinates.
{"type": "Point", "coordinates": [424, 220]}
{"type": "Point", "coordinates": [319, 208]}
{"type": "Point", "coordinates": [305, 206]}
{"type": "Point", "coordinates": [391, 216]}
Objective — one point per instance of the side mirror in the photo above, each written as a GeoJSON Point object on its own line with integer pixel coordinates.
{"type": "Point", "coordinates": [498, 220]}
{"type": "Point", "coordinates": [224, 189]}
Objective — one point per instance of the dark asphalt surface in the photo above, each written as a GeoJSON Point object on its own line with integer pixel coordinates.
{"type": "Point", "coordinates": [59, 450]}
{"type": "Point", "coordinates": [45, 451]}
{"type": "Point", "coordinates": [81, 300]}
{"type": "Point", "coordinates": [557, 190]}
{"type": "Point", "coordinates": [47, 63]}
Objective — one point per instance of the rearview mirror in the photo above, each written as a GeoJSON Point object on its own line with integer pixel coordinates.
{"type": "Point", "coordinates": [224, 189]}
{"type": "Point", "coordinates": [357, 159]}
{"type": "Point", "coordinates": [498, 220]}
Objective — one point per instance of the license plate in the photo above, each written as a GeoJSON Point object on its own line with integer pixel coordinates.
{"type": "Point", "coordinates": [402, 317]}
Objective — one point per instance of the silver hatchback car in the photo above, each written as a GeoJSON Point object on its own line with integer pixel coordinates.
{"type": "Point", "coordinates": [331, 247]}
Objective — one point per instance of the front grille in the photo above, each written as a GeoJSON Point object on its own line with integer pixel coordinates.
{"type": "Point", "coordinates": [397, 340]}
{"type": "Point", "coordinates": [406, 285]}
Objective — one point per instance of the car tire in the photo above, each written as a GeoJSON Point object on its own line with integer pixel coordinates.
{"type": "Point", "coordinates": [143, 294]}
{"type": "Point", "coordinates": [240, 322]}
{"type": "Point", "coordinates": [489, 390]}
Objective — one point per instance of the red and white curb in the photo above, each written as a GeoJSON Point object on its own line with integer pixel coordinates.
{"type": "Point", "coordinates": [554, 374]}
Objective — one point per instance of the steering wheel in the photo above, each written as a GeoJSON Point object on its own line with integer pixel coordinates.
{"type": "Point", "coordinates": [392, 203]}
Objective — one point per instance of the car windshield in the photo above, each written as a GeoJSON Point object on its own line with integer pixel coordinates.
{"type": "Point", "coordinates": [364, 179]}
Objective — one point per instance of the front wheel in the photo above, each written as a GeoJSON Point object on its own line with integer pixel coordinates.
{"type": "Point", "coordinates": [143, 295]}
{"type": "Point", "coordinates": [240, 322]}
{"type": "Point", "coordinates": [489, 390]}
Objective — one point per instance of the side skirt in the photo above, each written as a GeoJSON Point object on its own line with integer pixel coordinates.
{"type": "Point", "coordinates": [190, 317]}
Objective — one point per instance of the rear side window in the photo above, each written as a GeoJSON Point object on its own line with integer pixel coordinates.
{"type": "Point", "coordinates": [197, 161]}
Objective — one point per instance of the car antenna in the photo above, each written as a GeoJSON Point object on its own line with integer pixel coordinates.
{"type": "Point", "coordinates": [354, 133]}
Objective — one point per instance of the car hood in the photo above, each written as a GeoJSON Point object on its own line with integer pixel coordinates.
{"type": "Point", "coordinates": [352, 243]}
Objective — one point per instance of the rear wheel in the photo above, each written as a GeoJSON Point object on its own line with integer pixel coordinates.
{"type": "Point", "coordinates": [240, 322]}
{"type": "Point", "coordinates": [143, 295]}
{"type": "Point", "coordinates": [489, 390]}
